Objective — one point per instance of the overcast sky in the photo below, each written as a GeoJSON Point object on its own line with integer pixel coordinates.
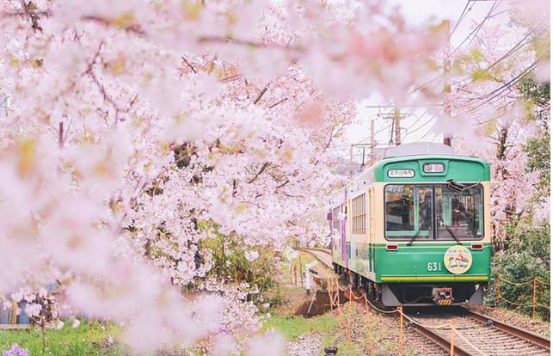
{"type": "Point", "coordinates": [419, 12]}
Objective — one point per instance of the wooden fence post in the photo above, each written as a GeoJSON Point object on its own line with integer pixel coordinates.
{"type": "Point", "coordinates": [400, 330]}
{"type": "Point", "coordinates": [301, 272]}
{"type": "Point", "coordinates": [452, 348]}
{"type": "Point", "coordinates": [369, 334]}
{"type": "Point", "coordinates": [330, 296]}
{"type": "Point", "coordinates": [534, 299]}
{"type": "Point", "coordinates": [349, 315]}
{"type": "Point", "coordinates": [498, 289]}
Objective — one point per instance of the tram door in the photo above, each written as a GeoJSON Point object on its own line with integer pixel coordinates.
{"type": "Point", "coordinates": [370, 230]}
{"type": "Point", "coordinates": [343, 228]}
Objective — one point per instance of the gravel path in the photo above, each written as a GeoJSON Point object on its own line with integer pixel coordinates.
{"type": "Point", "coordinates": [306, 345]}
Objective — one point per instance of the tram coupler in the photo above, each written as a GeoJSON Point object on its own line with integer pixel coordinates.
{"type": "Point", "coordinates": [442, 296]}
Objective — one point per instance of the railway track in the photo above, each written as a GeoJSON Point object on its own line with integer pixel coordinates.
{"type": "Point", "coordinates": [322, 255]}
{"type": "Point", "coordinates": [477, 334]}
{"type": "Point", "coordinates": [474, 333]}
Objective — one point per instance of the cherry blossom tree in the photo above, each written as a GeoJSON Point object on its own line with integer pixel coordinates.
{"type": "Point", "coordinates": [498, 62]}
{"type": "Point", "coordinates": [135, 130]}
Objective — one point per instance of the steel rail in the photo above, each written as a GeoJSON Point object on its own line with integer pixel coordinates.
{"type": "Point", "coordinates": [510, 329]}
{"type": "Point", "coordinates": [440, 340]}
{"type": "Point", "coordinates": [309, 250]}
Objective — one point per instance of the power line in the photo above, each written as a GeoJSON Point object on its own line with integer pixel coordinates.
{"type": "Point", "coordinates": [414, 123]}
{"type": "Point", "coordinates": [518, 46]}
{"type": "Point", "coordinates": [429, 131]}
{"type": "Point", "coordinates": [474, 31]}
{"type": "Point", "coordinates": [462, 17]}
{"type": "Point", "coordinates": [420, 127]}
{"type": "Point", "coordinates": [522, 43]}
{"type": "Point", "coordinates": [376, 133]}
{"type": "Point", "coordinates": [503, 87]}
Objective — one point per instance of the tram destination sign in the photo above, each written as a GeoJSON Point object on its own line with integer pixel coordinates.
{"type": "Point", "coordinates": [401, 173]}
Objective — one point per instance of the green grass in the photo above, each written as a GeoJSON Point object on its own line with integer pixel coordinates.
{"type": "Point", "coordinates": [85, 340]}
{"type": "Point", "coordinates": [292, 327]}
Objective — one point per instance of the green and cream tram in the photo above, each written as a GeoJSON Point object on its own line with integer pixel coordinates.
{"type": "Point", "coordinates": [414, 228]}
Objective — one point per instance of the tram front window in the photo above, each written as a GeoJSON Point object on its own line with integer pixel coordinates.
{"type": "Point", "coordinates": [459, 213]}
{"type": "Point", "coordinates": [423, 212]}
{"type": "Point", "coordinates": [409, 211]}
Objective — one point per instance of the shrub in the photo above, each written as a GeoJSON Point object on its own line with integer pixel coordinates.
{"type": "Point", "coordinates": [525, 257]}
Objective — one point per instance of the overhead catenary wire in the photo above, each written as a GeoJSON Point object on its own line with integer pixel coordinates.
{"type": "Point", "coordinates": [376, 133]}
{"type": "Point", "coordinates": [431, 130]}
{"type": "Point", "coordinates": [474, 32]}
{"type": "Point", "coordinates": [463, 15]}
{"type": "Point", "coordinates": [408, 131]}
{"type": "Point", "coordinates": [472, 35]}
{"type": "Point", "coordinates": [521, 44]}
{"type": "Point", "coordinates": [465, 11]}
{"type": "Point", "coordinates": [492, 12]}
{"type": "Point", "coordinates": [505, 86]}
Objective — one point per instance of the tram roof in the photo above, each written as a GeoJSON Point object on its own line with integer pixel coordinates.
{"type": "Point", "coordinates": [418, 148]}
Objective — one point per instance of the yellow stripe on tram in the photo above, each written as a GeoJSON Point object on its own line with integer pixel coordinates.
{"type": "Point", "coordinates": [435, 278]}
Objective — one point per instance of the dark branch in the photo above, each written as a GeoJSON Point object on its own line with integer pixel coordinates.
{"type": "Point", "coordinates": [282, 184]}
{"type": "Point", "coordinates": [189, 65]}
{"type": "Point", "coordinates": [265, 165]}
{"type": "Point", "coordinates": [278, 103]}
{"type": "Point", "coordinates": [261, 94]}
{"type": "Point", "coordinates": [132, 28]}
{"type": "Point", "coordinates": [61, 138]}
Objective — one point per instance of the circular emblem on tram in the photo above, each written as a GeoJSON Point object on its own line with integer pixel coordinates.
{"type": "Point", "coordinates": [457, 259]}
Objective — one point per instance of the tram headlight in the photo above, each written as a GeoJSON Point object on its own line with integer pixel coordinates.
{"type": "Point", "coordinates": [433, 168]}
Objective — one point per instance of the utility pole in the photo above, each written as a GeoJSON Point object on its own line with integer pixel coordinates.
{"type": "Point", "coordinates": [351, 161]}
{"type": "Point", "coordinates": [397, 127]}
{"type": "Point", "coordinates": [372, 142]}
{"type": "Point", "coordinates": [447, 137]}
{"type": "Point", "coordinates": [356, 147]}
{"type": "Point", "coordinates": [396, 116]}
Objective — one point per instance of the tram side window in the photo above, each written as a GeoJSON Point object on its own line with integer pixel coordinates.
{"type": "Point", "coordinates": [336, 220]}
{"type": "Point", "coordinates": [359, 215]}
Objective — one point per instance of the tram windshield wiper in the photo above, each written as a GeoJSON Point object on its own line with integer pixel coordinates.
{"type": "Point", "coordinates": [449, 230]}
{"type": "Point", "coordinates": [453, 235]}
{"type": "Point", "coordinates": [414, 237]}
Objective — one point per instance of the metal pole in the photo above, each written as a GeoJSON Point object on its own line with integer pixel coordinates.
{"type": "Point", "coordinates": [372, 142]}
{"type": "Point", "coordinates": [351, 161]}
